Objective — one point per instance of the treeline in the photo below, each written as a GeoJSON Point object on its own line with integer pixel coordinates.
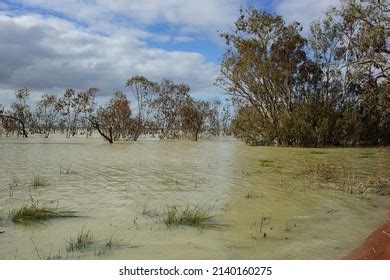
{"type": "Point", "coordinates": [164, 110]}
{"type": "Point", "coordinates": [329, 88]}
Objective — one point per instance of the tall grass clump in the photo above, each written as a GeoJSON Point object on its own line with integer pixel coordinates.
{"type": "Point", "coordinates": [39, 181]}
{"type": "Point", "coordinates": [191, 216]}
{"type": "Point", "coordinates": [36, 213]}
{"type": "Point", "coordinates": [82, 241]}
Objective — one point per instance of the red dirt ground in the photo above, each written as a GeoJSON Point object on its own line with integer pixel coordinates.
{"type": "Point", "coordinates": [375, 247]}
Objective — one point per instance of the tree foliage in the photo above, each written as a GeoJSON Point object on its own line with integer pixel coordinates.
{"type": "Point", "coordinates": [329, 89]}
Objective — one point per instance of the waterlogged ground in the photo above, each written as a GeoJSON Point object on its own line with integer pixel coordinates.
{"type": "Point", "coordinates": [122, 190]}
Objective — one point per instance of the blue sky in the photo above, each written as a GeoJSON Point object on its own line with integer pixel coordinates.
{"type": "Point", "coordinates": [48, 46]}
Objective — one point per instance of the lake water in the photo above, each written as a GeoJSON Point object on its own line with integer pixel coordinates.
{"type": "Point", "coordinates": [122, 190]}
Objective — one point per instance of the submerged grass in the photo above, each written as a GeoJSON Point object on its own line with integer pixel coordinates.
{"type": "Point", "coordinates": [85, 243]}
{"type": "Point", "coordinates": [39, 181]}
{"type": "Point", "coordinates": [68, 171]}
{"type": "Point", "coordinates": [56, 256]}
{"type": "Point", "coordinates": [149, 212]}
{"type": "Point", "coordinates": [36, 213]}
{"type": "Point", "coordinates": [191, 216]}
{"type": "Point", "coordinates": [13, 186]}
{"type": "Point", "coordinates": [266, 162]}
{"type": "Point", "coordinates": [113, 241]}
{"type": "Point", "coordinates": [250, 195]}
{"type": "Point", "coordinates": [323, 171]}
{"type": "Point", "coordinates": [374, 184]}
{"type": "Point", "coordinates": [82, 241]}
{"type": "Point", "coordinates": [341, 176]}
{"type": "Point", "coordinates": [257, 228]}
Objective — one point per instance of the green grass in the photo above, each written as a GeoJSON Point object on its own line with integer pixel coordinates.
{"type": "Point", "coordinates": [191, 216]}
{"type": "Point", "coordinates": [82, 241]}
{"type": "Point", "coordinates": [37, 213]}
{"type": "Point", "coordinates": [39, 181]}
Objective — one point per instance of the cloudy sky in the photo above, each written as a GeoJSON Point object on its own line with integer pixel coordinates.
{"type": "Point", "coordinates": [50, 45]}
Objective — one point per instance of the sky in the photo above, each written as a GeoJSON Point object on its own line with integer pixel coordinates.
{"type": "Point", "coordinates": [50, 45]}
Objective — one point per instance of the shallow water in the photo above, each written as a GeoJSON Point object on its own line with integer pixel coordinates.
{"type": "Point", "coordinates": [122, 189]}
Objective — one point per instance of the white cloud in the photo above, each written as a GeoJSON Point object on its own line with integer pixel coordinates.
{"type": "Point", "coordinates": [201, 16]}
{"type": "Point", "coordinates": [46, 54]}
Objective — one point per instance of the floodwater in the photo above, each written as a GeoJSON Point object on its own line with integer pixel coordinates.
{"type": "Point", "coordinates": [122, 190]}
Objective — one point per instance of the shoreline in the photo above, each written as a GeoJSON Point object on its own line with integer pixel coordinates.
{"type": "Point", "coordinates": [375, 247]}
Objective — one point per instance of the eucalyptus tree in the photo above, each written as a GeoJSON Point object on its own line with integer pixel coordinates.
{"type": "Point", "coordinates": [113, 120]}
{"type": "Point", "coordinates": [144, 92]}
{"type": "Point", "coordinates": [266, 66]}
{"type": "Point", "coordinates": [366, 27]}
{"type": "Point", "coordinates": [167, 106]}
{"type": "Point", "coordinates": [213, 117]}
{"type": "Point", "coordinates": [47, 114]}
{"type": "Point", "coordinates": [193, 115]}
{"type": "Point", "coordinates": [350, 47]}
{"type": "Point", "coordinates": [20, 115]}
{"type": "Point", "coordinates": [67, 105]}
{"type": "Point", "coordinates": [87, 105]}
{"type": "Point", "coordinates": [76, 108]}
{"type": "Point", "coordinates": [226, 118]}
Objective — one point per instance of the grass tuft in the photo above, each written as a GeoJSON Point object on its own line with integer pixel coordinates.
{"type": "Point", "coordinates": [191, 216]}
{"type": "Point", "coordinates": [37, 213]}
{"type": "Point", "coordinates": [39, 181]}
{"type": "Point", "coordinates": [82, 241]}
{"type": "Point", "coordinates": [112, 241]}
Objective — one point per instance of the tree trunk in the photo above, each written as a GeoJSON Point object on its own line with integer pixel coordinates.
{"type": "Point", "coordinates": [96, 125]}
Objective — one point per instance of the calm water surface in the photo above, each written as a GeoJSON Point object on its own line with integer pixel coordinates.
{"type": "Point", "coordinates": [122, 189]}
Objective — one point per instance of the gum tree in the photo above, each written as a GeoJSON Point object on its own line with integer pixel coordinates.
{"type": "Point", "coordinates": [144, 92]}
{"type": "Point", "coordinates": [266, 66]}
{"type": "Point", "coordinates": [113, 121]}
